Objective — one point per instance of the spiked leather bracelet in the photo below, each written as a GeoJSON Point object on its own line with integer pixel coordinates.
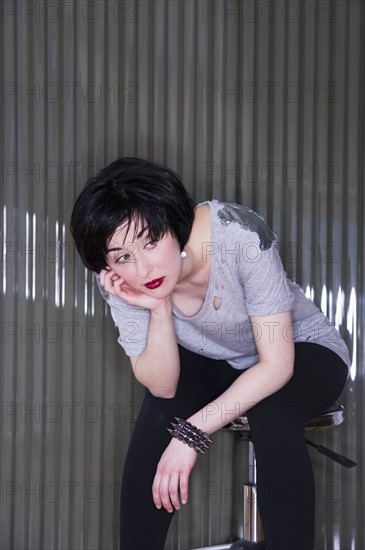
{"type": "Point", "coordinates": [191, 435]}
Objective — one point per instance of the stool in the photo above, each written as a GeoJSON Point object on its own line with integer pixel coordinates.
{"type": "Point", "coordinates": [253, 534]}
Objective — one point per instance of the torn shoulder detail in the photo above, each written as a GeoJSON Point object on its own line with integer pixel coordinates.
{"type": "Point", "coordinates": [247, 219]}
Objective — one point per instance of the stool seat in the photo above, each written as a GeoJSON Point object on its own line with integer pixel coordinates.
{"type": "Point", "coordinates": [333, 416]}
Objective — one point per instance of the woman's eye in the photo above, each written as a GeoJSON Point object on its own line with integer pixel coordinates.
{"type": "Point", "coordinates": [124, 258]}
{"type": "Point", "coordinates": [152, 244]}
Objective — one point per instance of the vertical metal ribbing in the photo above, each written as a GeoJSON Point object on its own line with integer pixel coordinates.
{"type": "Point", "coordinates": [88, 82]}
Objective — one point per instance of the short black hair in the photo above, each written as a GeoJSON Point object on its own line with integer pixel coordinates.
{"type": "Point", "coordinates": [129, 190]}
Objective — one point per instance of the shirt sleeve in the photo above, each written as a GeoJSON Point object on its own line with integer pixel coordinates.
{"type": "Point", "coordinates": [132, 323]}
{"type": "Point", "coordinates": [260, 271]}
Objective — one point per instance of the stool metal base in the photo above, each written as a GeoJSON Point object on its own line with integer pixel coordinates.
{"type": "Point", "coordinates": [238, 545]}
{"type": "Point", "coordinates": [248, 545]}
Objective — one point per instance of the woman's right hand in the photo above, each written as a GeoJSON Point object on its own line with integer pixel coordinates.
{"type": "Point", "coordinates": [114, 284]}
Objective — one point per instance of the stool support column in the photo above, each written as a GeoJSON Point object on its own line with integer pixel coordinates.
{"type": "Point", "coordinates": [253, 533]}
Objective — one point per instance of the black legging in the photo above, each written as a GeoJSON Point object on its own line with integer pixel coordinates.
{"type": "Point", "coordinates": [284, 471]}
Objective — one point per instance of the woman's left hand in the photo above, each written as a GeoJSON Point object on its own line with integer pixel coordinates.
{"type": "Point", "coordinates": [172, 476]}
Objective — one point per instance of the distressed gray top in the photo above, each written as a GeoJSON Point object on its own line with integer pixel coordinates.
{"type": "Point", "coordinates": [246, 279]}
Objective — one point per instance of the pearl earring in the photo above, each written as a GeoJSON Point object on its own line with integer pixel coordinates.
{"type": "Point", "coordinates": [184, 255]}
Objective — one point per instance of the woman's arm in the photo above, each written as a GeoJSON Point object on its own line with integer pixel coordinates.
{"type": "Point", "coordinates": [158, 366]}
{"type": "Point", "coordinates": [274, 342]}
{"type": "Point", "coordinates": [274, 369]}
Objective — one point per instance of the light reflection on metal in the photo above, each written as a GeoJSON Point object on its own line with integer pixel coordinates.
{"type": "Point", "coordinates": [57, 286]}
{"type": "Point", "coordinates": [62, 257]}
{"type": "Point", "coordinates": [351, 325]}
{"type": "Point", "coordinates": [86, 279]}
{"type": "Point", "coordinates": [309, 292]}
{"type": "Point", "coordinates": [34, 257]}
{"type": "Point", "coordinates": [339, 308]}
{"type": "Point", "coordinates": [26, 256]}
{"type": "Point", "coordinates": [92, 312]}
{"type": "Point", "coordinates": [330, 303]}
{"type": "Point", "coordinates": [323, 306]}
{"type": "Point", "coordinates": [336, 542]}
{"type": "Point", "coordinates": [4, 249]}
{"type": "Point", "coordinates": [45, 291]}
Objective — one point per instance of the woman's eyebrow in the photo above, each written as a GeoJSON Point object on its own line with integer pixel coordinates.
{"type": "Point", "coordinates": [139, 235]}
{"type": "Point", "coordinates": [113, 249]}
{"type": "Point", "coordinates": [124, 246]}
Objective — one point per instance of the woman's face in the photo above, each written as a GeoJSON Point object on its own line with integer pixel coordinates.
{"type": "Point", "coordinates": [150, 267]}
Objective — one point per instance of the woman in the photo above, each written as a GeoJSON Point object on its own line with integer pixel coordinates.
{"type": "Point", "coordinates": [213, 328]}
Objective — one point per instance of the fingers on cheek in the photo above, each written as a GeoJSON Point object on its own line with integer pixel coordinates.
{"type": "Point", "coordinates": [118, 289]}
{"type": "Point", "coordinates": [112, 282]}
{"type": "Point", "coordinates": [108, 284]}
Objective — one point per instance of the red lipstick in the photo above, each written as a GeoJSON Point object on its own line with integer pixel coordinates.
{"type": "Point", "coordinates": [155, 283]}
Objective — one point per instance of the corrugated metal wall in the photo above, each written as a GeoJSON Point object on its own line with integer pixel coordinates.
{"type": "Point", "coordinates": [260, 102]}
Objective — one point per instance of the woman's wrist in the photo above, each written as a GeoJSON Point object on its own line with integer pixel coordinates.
{"type": "Point", "coordinates": [162, 308]}
{"type": "Point", "coordinates": [192, 436]}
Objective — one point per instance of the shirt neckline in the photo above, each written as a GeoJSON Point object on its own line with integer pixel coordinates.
{"type": "Point", "coordinates": [176, 311]}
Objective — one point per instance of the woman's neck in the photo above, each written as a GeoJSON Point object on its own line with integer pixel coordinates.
{"type": "Point", "coordinates": [194, 280]}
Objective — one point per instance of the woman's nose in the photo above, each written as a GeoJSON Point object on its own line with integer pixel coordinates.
{"type": "Point", "coordinates": [143, 267]}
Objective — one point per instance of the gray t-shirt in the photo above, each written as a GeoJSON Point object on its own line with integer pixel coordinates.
{"type": "Point", "coordinates": [246, 279]}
